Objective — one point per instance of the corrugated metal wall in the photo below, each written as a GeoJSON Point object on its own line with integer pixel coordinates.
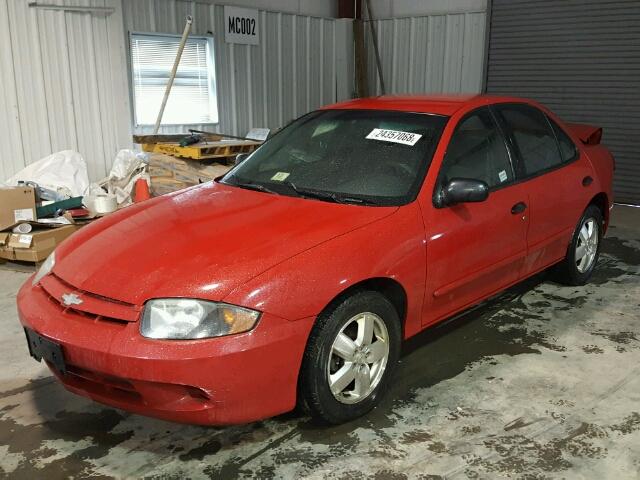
{"type": "Point", "coordinates": [582, 59]}
{"type": "Point", "coordinates": [429, 54]}
{"type": "Point", "coordinates": [63, 84]}
{"type": "Point", "coordinates": [301, 63]}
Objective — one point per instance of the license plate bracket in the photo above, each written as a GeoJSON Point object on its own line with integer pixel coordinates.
{"type": "Point", "coordinates": [42, 348]}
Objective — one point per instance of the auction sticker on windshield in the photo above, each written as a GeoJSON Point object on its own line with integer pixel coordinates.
{"type": "Point", "coordinates": [395, 136]}
{"type": "Point", "coordinates": [280, 176]}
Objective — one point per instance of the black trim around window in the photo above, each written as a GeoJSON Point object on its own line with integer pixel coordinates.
{"type": "Point", "coordinates": [521, 175]}
{"type": "Point", "coordinates": [555, 128]}
{"type": "Point", "coordinates": [515, 158]}
{"type": "Point", "coordinates": [510, 153]}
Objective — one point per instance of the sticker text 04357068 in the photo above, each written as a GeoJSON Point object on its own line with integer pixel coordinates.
{"type": "Point", "coordinates": [395, 136]}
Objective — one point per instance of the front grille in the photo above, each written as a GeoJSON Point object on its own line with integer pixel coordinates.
{"type": "Point", "coordinates": [91, 306]}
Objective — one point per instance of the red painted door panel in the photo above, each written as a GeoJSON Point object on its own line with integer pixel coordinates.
{"type": "Point", "coordinates": [552, 173]}
{"type": "Point", "coordinates": [473, 250]}
{"type": "Point", "coordinates": [557, 200]}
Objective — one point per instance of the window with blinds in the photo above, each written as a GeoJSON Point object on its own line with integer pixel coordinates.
{"type": "Point", "coordinates": [193, 95]}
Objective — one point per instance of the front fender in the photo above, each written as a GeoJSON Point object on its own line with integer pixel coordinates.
{"type": "Point", "coordinates": [303, 285]}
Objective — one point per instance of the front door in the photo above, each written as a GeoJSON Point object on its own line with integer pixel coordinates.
{"type": "Point", "coordinates": [474, 249]}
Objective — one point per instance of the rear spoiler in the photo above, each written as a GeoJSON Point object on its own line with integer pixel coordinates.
{"type": "Point", "coordinates": [588, 134]}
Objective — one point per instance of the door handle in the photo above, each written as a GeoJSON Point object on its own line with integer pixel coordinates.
{"type": "Point", "coordinates": [518, 208]}
{"type": "Point", "coordinates": [586, 181]}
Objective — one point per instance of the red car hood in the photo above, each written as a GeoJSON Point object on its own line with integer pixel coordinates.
{"type": "Point", "coordinates": [201, 242]}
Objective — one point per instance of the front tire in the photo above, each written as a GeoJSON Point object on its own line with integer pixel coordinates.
{"type": "Point", "coordinates": [584, 250]}
{"type": "Point", "coordinates": [350, 358]}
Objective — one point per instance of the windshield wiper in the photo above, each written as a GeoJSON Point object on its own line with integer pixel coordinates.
{"type": "Point", "coordinates": [359, 201]}
{"type": "Point", "coordinates": [253, 186]}
{"type": "Point", "coordinates": [328, 196]}
{"type": "Point", "coordinates": [303, 192]}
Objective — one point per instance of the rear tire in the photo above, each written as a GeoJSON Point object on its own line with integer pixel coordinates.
{"type": "Point", "coordinates": [584, 250]}
{"type": "Point", "coordinates": [350, 358]}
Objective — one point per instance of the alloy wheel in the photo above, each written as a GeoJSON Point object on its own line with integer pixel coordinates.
{"type": "Point", "coordinates": [358, 359]}
{"type": "Point", "coordinates": [587, 245]}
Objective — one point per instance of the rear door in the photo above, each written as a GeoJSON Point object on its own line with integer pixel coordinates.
{"type": "Point", "coordinates": [474, 249]}
{"type": "Point", "coordinates": [551, 171]}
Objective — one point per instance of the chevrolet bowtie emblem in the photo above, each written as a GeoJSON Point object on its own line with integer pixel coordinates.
{"type": "Point", "coordinates": [71, 299]}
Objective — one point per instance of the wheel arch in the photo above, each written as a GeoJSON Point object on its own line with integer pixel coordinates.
{"type": "Point", "coordinates": [601, 200]}
{"type": "Point", "coordinates": [390, 288]}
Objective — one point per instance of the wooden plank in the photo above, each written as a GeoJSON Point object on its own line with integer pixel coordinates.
{"type": "Point", "coordinates": [362, 86]}
{"type": "Point", "coordinates": [203, 151]}
{"type": "Point", "coordinates": [171, 137]}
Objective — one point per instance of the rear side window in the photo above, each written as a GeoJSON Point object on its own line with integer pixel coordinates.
{"type": "Point", "coordinates": [477, 151]}
{"type": "Point", "coordinates": [568, 149]}
{"type": "Point", "coordinates": [534, 139]}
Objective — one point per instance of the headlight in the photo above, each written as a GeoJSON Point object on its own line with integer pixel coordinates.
{"type": "Point", "coordinates": [183, 319]}
{"type": "Point", "coordinates": [45, 269]}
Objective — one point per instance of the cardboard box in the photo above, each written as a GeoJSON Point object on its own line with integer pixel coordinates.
{"type": "Point", "coordinates": [17, 204]}
{"type": "Point", "coordinates": [35, 246]}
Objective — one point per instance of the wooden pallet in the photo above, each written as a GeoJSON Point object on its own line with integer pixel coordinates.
{"type": "Point", "coordinates": [168, 173]}
{"type": "Point", "coordinates": [205, 150]}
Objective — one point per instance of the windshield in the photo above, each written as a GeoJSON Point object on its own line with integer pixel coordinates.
{"type": "Point", "coordinates": [348, 156]}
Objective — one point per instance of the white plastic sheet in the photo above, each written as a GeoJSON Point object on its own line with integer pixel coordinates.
{"type": "Point", "coordinates": [128, 166]}
{"type": "Point", "coordinates": [116, 190]}
{"type": "Point", "coordinates": [63, 172]}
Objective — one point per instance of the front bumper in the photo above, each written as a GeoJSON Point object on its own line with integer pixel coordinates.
{"type": "Point", "coordinates": [218, 381]}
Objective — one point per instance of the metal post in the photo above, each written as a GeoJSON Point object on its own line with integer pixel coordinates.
{"type": "Point", "coordinates": [183, 40]}
{"type": "Point", "coordinates": [374, 38]}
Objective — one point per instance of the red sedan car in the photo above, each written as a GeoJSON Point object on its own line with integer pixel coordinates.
{"type": "Point", "coordinates": [296, 276]}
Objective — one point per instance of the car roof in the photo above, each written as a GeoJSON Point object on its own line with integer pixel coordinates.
{"type": "Point", "coordinates": [435, 104]}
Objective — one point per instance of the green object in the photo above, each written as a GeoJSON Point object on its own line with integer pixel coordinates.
{"type": "Point", "coordinates": [52, 208]}
{"type": "Point", "coordinates": [190, 140]}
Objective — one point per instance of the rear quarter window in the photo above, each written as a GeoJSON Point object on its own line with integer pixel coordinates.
{"type": "Point", "coordinates": [568, 150]}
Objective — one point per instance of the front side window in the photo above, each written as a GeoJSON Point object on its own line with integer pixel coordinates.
{"type": "Point", "coordinates": [533, 137]}
{"type": "Point", "coordinates": [193, 95]}
{"type": "Point", "coordinates": [352, 156]}
{"type": "Point", "coordinates": [477, 151]}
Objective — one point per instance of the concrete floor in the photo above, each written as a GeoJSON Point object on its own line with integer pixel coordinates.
{"type": "Point", "coordinates": [542, 382]}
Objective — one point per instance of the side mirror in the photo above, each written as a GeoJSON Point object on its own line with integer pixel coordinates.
{"type": "Point", "coordinates": [463, 190]}
{"type": "Point", "coordinates": [241, 157]}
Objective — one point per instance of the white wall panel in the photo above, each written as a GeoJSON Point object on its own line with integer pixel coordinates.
{"type": "Point", "coordinates": [441, 53]}
{"type": "Point", "coordinates": [29, 80]}
{"type": "Point", "coordinates": [295, 68]}
{"type": "Point", "coordinates": [11, 151]}
{"type": "Point", "coordinates": [64, 84]}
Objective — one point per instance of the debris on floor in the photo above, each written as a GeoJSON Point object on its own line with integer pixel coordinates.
{"type": "Point", "coordinates": [169, 174]}
{"type": "Point", "coordinates": [58, 176]}
{"type": "Point", "coordinates": [48, 200]}
{"type": "Point", "coordinates": [36, 245]}
{"type": "Point", "coordinates": [177, 161]}
{"type": "Point", "coordinates": [30, 230]}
